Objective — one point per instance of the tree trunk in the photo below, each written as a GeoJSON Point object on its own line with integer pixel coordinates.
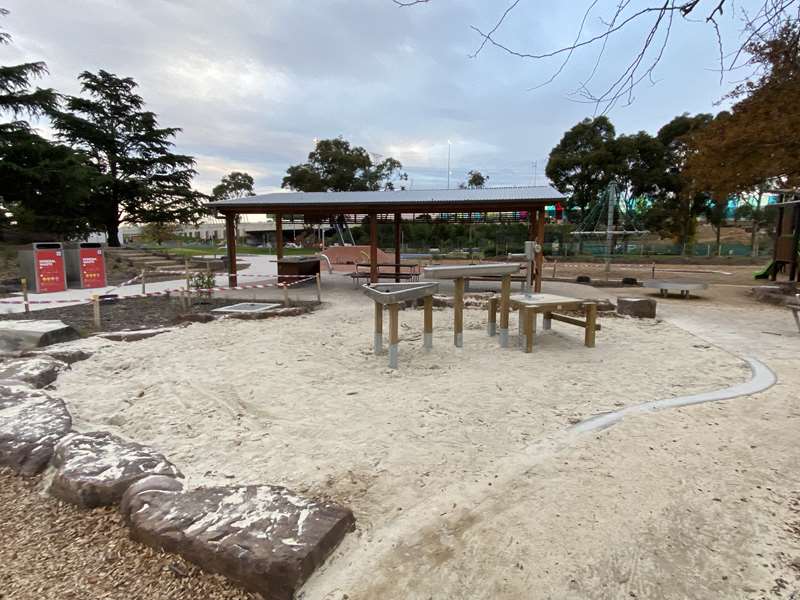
{"type": "Point", "coordinates": [756, 225]}
{"type": "Point", "coordinates": [112, 231]}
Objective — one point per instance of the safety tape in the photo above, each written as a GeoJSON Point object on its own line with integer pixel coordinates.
{"type": "Point", "coordinates": [171, 291]}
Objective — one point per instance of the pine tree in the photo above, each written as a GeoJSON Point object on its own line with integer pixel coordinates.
{"type": "Point", "coordinates": [141, 179]}
{"type": "Point", "coordinates": [17, 98]}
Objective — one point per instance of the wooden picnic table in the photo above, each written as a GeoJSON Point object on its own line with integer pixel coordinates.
{"type": "Point", "coordinates": [530, 305]}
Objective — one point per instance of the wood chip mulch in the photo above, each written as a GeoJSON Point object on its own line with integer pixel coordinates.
{"type": "Point", "coordinates": [53, 550]}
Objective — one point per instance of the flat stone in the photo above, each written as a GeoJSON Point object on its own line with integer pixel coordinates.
{"type": "Point", "coordinates": [642, 308]}
{"type": "Point", "coordinates": [27, 334]}
{"type": "Point", "coordinates": [265, 538]}
{"type": "Point", "coordinates": [37, 371]}
{"type": "Point", "coordinates": [31, 424]}
{"type": "Point", "coordinates": [133, 335]}
{"type": "Point", "coordinates": [95, 469]}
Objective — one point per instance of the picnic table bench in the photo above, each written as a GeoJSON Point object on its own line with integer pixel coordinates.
{"type": "Point", "coordinates": [398, 273]}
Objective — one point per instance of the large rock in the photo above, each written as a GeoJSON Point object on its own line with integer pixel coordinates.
{"type": "Point", "coordinates": [642, 308]}
{"type": "Point", "coordinates": [27, 334]}
{"type": "Point", "coordinates": [37, 371]}
{"type": "Point", "coordinates": [31, 424]}
{"type": "Point", "coordinates": [266, 538]}
{"type": "Point", "coordinates": [95, 469]}
{"type": "Point", "coordinates": [133, 335]}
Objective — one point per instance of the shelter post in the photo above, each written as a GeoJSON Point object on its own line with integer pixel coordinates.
{"type": "Point", "coordinates": [279, 235]}
{"type": "Point", "coordinates": [539, 256]}
{"type": "Point", "coordinates": [373, 248]}
{"type": "Point", "coordinates": [230, 241]}
{"type": "Point", "coordinates": [397, 219]}
{"type": "Point", "coordinates": [533, 214]}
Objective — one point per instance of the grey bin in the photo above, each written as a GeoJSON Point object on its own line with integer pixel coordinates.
{"type": "Point", "coordinates": [85, 265]}
{"type": "Point", "coordinates": [43, 266]}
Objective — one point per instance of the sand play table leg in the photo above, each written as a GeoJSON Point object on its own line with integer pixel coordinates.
{"type": "Point", "coordinates": [378, 340]}
{"type": "Point", "coordinates": [394, 334]}
{"type": "Point", "coordinates": [491, 324]}
{"type": "Point", "coordinates": [458, 313]}
{"type": "Point", "coordinates": [428, 328]}
{"type": "Point", "coordinates": [505, 301]}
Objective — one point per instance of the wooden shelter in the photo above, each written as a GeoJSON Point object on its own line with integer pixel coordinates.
{"type": "Point", "coordinates": [460, 205]}
{"type": "Point", "coordinates": [787, 235]}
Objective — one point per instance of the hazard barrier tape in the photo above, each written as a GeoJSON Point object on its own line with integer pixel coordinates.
{"type": "Point", "coordinates": [223, 274]}
{"type": "Point", "coordinates": [171, 291]}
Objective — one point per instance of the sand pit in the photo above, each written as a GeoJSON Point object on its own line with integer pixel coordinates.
{"type": "Point", "coordinates": [303, 402]}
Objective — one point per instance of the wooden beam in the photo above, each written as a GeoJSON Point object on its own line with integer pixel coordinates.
{"type": "Point", "coordinates": [397, 219]}
{"type": "Point", "coordinates": [539, 257]}
{"type": "Point", "coordinates": [230, 241]}
{"type": "Point", "coordinates": [529, 325]}
{"type": "Point", "coordinates": [378, 338]}
{"type": "Point", "coordinates": [505, 306]}
{"type": "Point", "coordinates": [279, 235]}
{"type": "Point", "coordinates": [491, 326]}
{"type": "Point", "coordinates": [571, 321]}
{"type": "Point", "coordinates": [428, 325]}
{"type": "Point", "coordinates": [373, 248]}
{"type": "Point", "coordinates": [394, 334]}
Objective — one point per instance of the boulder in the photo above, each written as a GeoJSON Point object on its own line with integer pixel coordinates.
{"type": "Point", "coordinates": [642, 308]}
{"type": "Point", "coordinates": [27, 334]}
{"type": "Point", "coordinates": [266, 538]}
{"type": "Point", "coordinates": [31, 424]}
{"type": "Point", "coordinates": [95, 469]}
{"type": "Point", "coordinates": [37, 371]}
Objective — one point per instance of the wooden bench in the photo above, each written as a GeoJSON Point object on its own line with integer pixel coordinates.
{"type": "Point", "coordinates": [363, 272]}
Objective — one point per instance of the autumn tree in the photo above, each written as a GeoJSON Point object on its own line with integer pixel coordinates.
{"type": "Point", "coordinates": [141, 179]}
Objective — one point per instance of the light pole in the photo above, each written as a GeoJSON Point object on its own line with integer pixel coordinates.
{"type": "Point", "coordinates": [448, 163]}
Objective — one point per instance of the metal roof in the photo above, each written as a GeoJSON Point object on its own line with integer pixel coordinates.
{"type": "Point", "coordinates": [513, 196]}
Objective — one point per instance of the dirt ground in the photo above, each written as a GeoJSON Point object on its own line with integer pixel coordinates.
{"type": "Point", "coordinates": [700, 502]}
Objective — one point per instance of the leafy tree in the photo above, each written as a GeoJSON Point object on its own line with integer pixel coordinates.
{"type": "Point", "coordinates": [17, 97]}
{"type": "Point", "coordinates": [677, 200]}
{"type": "Point", "coordinates": [45, 186]}
{"type": "Point", "coordinates": [234, 185]}
{"type": "Point", "coordinates": [584, 162]}
{"type": "Point", "coordinates": [142, 180]}
{"type": "Point", "coordinates": [475, 180]}
{"type": "Point", "coordinates": [160, 232]}
{"type": "Point", "coordinates": [336, 166]}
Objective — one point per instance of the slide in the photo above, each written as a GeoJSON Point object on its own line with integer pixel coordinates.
{"type": "Point", "coordinates": [766, 271]}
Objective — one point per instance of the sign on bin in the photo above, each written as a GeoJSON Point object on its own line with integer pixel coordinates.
{"type": "Point", "coordinates": [50, 275]}
{"type": "Point", "coordinates": [93, 269]}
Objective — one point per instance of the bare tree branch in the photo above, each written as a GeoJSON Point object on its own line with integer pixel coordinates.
{"type": "Point", "coordinates": [768, 18]}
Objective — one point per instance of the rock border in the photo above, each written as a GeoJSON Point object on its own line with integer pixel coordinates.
{"type": "Point", "coordinates": [265, 538]}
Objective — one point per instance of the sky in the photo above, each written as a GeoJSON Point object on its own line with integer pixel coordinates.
{"type": "Point", "coordinates": [253, 83]}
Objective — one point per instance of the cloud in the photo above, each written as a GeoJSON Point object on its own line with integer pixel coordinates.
{"type": "Point", "coordinates": [251, 84]}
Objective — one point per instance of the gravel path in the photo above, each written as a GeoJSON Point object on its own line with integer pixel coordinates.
{"type": "Point", "coordinates": [52, 550]}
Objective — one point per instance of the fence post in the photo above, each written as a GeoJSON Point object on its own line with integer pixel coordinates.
{"type": "Point", "coordinates": [24, 284]}
{"type": "Point", "coordinates": [319, 288]}
{"type": "Point", "coordinates": [285, 294]}
{"type": "Point", "coordinates": [96, 307]}
{"type": "Point", "coordinates": [653, 274]}
{"type": "Point", "coordinates": [144, 287]}
{"type": "Point", "coordinates": [188, 285]}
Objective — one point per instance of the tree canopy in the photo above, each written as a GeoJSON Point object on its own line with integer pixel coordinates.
{"type": "Point", "coordinates": [475, 180]}
{"type": "Point", "coordinates": [336, 166]}
{"type": "Point", "coordinates": [142, 180]}
{"type": "Point", "coordinates": [235, 184]}
{"type": "Point", "coordinates": [17, 96]}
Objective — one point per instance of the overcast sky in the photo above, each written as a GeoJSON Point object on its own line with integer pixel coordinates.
{"type": "Point", "coordinates": [253, 83]}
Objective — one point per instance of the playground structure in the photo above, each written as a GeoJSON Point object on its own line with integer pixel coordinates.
{"type": "Point", "coordinates": [392, 295]}
{"type": "Point", "coordinates": [787, 238]}
{"type": "Point", "coordinates": [458, 274]}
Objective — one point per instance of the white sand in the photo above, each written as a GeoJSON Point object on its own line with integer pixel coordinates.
{"type": "Point", "coordinates": [303, 402]}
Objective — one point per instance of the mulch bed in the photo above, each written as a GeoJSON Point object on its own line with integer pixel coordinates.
{"type": "Point", "coordinates": [51, 550]}
{"type": "Point", "coordinates": [133, 313]}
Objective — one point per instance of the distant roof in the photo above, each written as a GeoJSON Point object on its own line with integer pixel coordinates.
{"type": "Point", "coordinates": [494, 199]}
